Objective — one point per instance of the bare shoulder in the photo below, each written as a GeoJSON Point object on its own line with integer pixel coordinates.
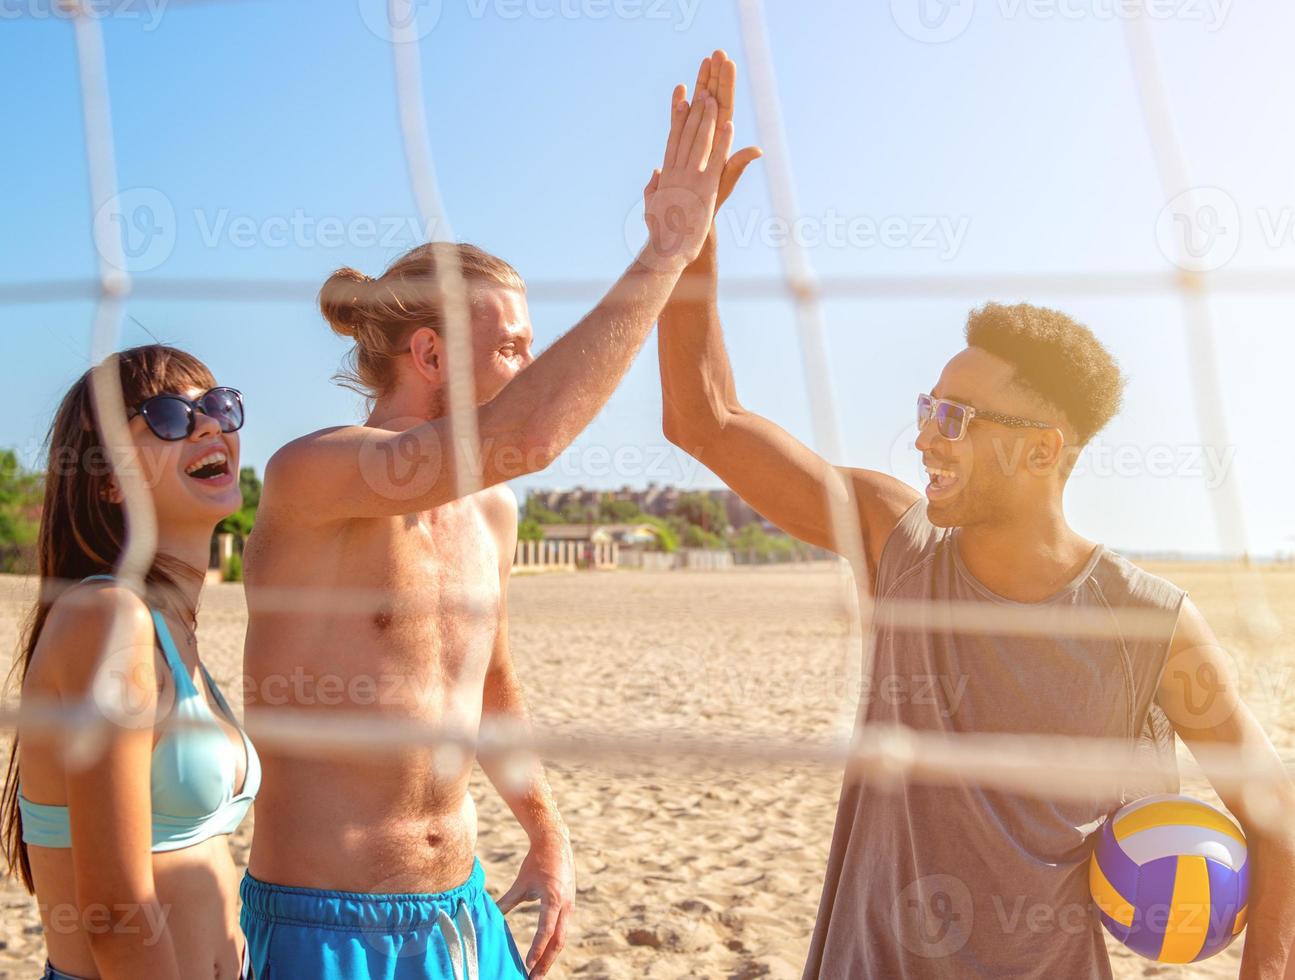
{"type": "Point", "coordinates": [890, 496]}
{"type": "Point", "coordinates": [498, 505]}
{"type": "Point", "coordinates": [303, 463]}
{"type": "Point", "coordinates": [882, 500]}
{"type": "Point", "coordinates": [301, 450]}
{"type": "Point", "coordinates": [1192, 631]}
{"type": "Point", "coordinates": [86, 622]}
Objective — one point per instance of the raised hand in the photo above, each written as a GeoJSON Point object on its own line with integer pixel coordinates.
{"type": "Point", "coordinates": [718, 74]}
{"type": "Point", "coordinates": [680, 200]}
{"type": "Point", "coordinates": [717, 77]}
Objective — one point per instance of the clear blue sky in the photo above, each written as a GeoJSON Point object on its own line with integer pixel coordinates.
{"type": "Point", "coordinates": [1021, 137]}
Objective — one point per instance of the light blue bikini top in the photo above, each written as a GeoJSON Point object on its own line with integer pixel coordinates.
{"type": "Point", "coordinates": [193, 770]}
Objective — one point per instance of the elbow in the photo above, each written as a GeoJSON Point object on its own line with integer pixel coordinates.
{"type": "Point", "coordinates": [672, 427]}
{"type": "Point", "coordinates": [538, 451]}
{"type": "Point", "coordinates": [692, 433]}
{"type": "Point", "coordinates": [678, 431]}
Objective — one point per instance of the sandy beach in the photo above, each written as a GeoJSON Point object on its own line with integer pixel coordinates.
{"type": "Point", "coordinates": [687, 871]}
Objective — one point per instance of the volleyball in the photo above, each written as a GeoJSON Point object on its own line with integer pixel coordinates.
{"type": "Point", "coordinates": [1170, 877]}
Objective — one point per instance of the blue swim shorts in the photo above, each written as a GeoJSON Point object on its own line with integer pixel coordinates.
{"type": "Point", "coordinates": [53, 974]}
{"type": "Point", "coordinates": [298, 933]}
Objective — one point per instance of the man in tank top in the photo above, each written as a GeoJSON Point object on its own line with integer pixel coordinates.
{"type": "Point", "coordinates": [959, 881]}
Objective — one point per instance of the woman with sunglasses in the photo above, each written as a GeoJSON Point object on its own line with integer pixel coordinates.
{"type": "Point", "coordinates": [122, 836]}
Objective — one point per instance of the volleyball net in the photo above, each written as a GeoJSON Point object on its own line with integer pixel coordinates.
{"type": "Point", "coordinates": [1040, 765]}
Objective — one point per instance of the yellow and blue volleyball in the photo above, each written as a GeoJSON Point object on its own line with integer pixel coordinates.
{"type": "Point", "coordinates": [1170, 878]}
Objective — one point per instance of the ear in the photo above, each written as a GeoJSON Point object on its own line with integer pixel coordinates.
{"type": "Point", "coordinates": [110, 492]}
{"type": "Point", "coordinates": [428, 354]}
{"type": "Point", "coordinates": [1049, 450]}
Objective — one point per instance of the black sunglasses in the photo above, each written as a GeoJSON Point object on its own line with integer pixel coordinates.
{"type": "Point", "coordinates": [171, 417]}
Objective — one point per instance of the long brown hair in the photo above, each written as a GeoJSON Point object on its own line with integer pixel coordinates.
{"type": "Point", "coordinates": [380, 314]}
{"type": "Point", "coordinates": [81, 530]}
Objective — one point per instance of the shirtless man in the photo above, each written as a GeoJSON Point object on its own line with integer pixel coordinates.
{"type": "Point", "coordinates": [918, 877]}
{"type": "Point", "coordinates": [363, 866]}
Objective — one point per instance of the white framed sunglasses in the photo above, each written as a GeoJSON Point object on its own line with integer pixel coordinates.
{"type": "Point", "coordinates": [952, 419]}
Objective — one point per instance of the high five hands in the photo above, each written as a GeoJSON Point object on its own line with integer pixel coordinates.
{"type": "Point", "coordinates": [697, 175]}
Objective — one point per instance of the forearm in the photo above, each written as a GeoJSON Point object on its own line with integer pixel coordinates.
{"type": "Point", "coordinates": [123, 951]}
{"type": "Point", "coordinates": [553, 400]}
{"type": "Point", "coordinates": [1270, 931]}
{"type": "Point", "coordinates": [697, 387]}
{"type": "Point", "coordinates": [518, 778]}
{"type": "Point", "coordinates": [371, 472]}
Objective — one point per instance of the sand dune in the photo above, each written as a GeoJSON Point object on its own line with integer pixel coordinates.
{"type": "Point", "coordinates": [687, 871]}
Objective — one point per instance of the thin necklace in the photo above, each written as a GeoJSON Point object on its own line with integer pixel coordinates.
{"type": "Point", "coordinates": [191, 631]}
{"type": "Point", "coordinates": [189, 622]}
